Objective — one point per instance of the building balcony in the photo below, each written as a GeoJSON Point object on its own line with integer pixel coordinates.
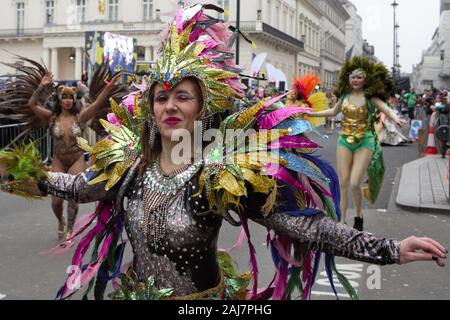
{"type": "Point", "coordinates": [259, 29]}
{"type": "Point", "coordinates": [19, 34]}
{"type": "Point", "coordinates": [154, 26]}
{"type": "Point", "coordinates": [329, 55]}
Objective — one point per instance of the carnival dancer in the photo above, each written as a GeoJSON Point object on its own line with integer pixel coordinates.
{"type": "Point", "coordinates": [388, 133]}
{"type": "Point", "coordinates": [178, 198]}
{"type": "Point", "coordinates": [27, 100]}
{"type": "Point", "coordinates": [363, 86]}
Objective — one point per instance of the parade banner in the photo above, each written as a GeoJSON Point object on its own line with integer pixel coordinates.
{"type": "Point", "coordinates": [120, 51]}
{"type": "Point", "coordinates": [416, 125]}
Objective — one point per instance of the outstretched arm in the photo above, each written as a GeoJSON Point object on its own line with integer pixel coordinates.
{"type": "Point", "coordinates": [41, 94]}
{"type": "Point", "coordinates": [75, 188]}
{"type": "Point", "coordinates": [90, 111]}
{"type": "Point", "coordinates": [324, 234]}
{"type": "Point", "coordinates": [383, 107]}
{"type": "Point", "coordinates": [65, 186]}
{"type": "Point", "coordinates": [327, 113]}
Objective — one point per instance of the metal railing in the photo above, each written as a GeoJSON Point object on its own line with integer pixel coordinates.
{"type": "Point", "coordinates": [8, 133]}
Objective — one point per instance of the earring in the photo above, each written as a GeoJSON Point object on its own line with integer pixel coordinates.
{"type": "Point", "coordinates": [153, 131]}
{"type": "Point", "coordinates": [206, 123]}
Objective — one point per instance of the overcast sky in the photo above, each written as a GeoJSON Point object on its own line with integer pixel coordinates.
{"type": "Point", "coordinates": [418, 20]}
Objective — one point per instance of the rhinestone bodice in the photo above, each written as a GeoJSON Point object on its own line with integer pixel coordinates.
{"type": "Point", "coordinates": [354, 123]}
{"type": "Point", "coordinates": [185, 256]}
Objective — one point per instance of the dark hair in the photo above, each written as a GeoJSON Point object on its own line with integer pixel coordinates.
{"type": "Point", "coordinates": [150, 155]}
{"type": "Point", "coordinates": [57, 106]}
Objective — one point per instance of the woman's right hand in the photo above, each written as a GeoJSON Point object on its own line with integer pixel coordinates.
{"type": "Point", "coordinates": [430, 249]}
{"type": "Point", "coordinates": [47, 79]}
{"type": "Point", "coordinates": [306, 114]}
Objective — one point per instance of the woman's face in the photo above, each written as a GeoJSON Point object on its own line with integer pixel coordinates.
{"type": "Point", "coordinates": [66, 101]}
{"type": "Point", "coordinates": [357, 82]}
{"type": "Point", "coordinates": [177, 108]}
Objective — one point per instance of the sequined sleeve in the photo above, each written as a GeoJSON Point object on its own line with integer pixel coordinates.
{"type": "Point", "coordinates": [324, 234]}
{"type": "Point", "coordinates": [75, 188]}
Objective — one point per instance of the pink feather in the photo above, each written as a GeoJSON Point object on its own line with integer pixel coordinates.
{"type": "Point", "coordinates": [240, 241]}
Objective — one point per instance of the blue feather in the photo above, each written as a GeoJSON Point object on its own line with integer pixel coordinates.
{"type": "Point", "coordinates": [299, 126]}
{"type": "Point", "coordinates": [297, 164]}
{"type": "Point", "coordinates": [316, 267]}
{"type": "Point", "coordinates": [328, 267]}
{"type": "Point", "coordinates": [308, 212]}
{"type": "Point", "coordinates": [275, 255]}
{"type": "Point", "coordinates": [328, 170]}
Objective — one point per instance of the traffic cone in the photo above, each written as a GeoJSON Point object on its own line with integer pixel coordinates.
{"type": "Point", "coordinates": [431, 145]}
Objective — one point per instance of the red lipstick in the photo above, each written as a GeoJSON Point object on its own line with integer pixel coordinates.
{"type": "Point", "coordinates": [172, 121]}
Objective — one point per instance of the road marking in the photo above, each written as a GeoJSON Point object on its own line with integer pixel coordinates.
{"type": "Point", "coordinates": [340, 295]}
{"type": "Point", "coordinates": [351, 271]}
{"type": "Point", "coordinates": [2, 296]}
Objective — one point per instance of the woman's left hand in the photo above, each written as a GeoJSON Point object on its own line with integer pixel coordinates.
{"type": "Point", "coordinates": [431, 251]}
{"type": "Point", "coordinates": [112, 84]}
{"type": "Point", "coordinates": [401, 122]}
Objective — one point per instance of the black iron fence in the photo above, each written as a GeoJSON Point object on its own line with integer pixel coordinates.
{"type": "Point", "coordinates": [8, 133]}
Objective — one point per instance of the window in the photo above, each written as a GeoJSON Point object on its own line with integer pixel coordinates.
{"type": "Point", "coordinates": [226, 7]}
{"type": "Point", "coordinates": [20, 12]}
{"type": "Point", "coordinates": [113, 10]}
{"type": "Point", "coordinates": [148, 10]}
{"type": "Point", "coordinates": [81, 10]}
{"type": "Point", "coordinates": [141, 53]}
{"type": "Point", "coordinates": [49, 12]}
{"type": "Point", "coordinates": [277, 12]}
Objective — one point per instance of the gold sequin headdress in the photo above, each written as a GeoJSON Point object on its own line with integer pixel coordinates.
{"type": "Point", "coordinates": [198, 46]}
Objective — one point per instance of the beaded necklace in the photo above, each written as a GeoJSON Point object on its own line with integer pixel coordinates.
{"type": "Point", "coordinates": [159, 192]}
{"type": "Point", "coordinates": [165, 184]}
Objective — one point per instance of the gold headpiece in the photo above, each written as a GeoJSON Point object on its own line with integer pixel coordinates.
{"type": "Point", "coordinates": [198, 46]}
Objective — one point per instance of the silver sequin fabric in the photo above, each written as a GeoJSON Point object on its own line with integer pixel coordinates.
{"type": "Point", "coordinates": [185, 258]}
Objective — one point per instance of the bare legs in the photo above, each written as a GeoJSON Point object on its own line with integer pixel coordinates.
{"type": "Point", "coordinates": [361, 161]}
{"type": "Point", "coordinates": [72, 208]}
{"type": "Point", "coordinates": [344, 159]}
{"type": "Point", "coordinates": [58, 203]}
{"type": "Point", "coordinates": [351, 168]}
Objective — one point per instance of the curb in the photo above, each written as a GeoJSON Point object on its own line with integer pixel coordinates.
{"type": "Point", "coordinates": [408, 198]}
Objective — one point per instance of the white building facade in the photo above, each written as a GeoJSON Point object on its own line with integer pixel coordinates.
{"type": "Point", "coordinates": [434, 69]}
{"type": "Point", "coordinates": [332, 41]}
{"type": "Point", "coordinates": [54, 31]}
{"type": "Point", "coordinates": [308, 30]}
{"type": "Point", "coordinates": [294, 33]}
{"type": "Point", "coordinates": [353, 31]}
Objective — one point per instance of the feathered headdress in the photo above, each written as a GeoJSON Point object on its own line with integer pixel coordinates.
{"type": "Point", "coordinates": [198, 46]}
{"type": "Point", "coordinates": [302, 95]}
{"type": "Point", "coordinates": [378, 82]}
{"type": "Point", "coordinates": [64, 90]}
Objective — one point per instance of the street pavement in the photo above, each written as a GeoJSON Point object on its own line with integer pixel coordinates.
{"type": "Point", "coordinates": [28, 228]}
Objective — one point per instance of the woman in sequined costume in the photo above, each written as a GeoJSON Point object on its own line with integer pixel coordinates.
{"type": "Point", "coordinates": [65, 124]}
{"type": "Point", "coordinates": [174, 210]}
{"type": "Point", "coordinates": [358, 145]}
